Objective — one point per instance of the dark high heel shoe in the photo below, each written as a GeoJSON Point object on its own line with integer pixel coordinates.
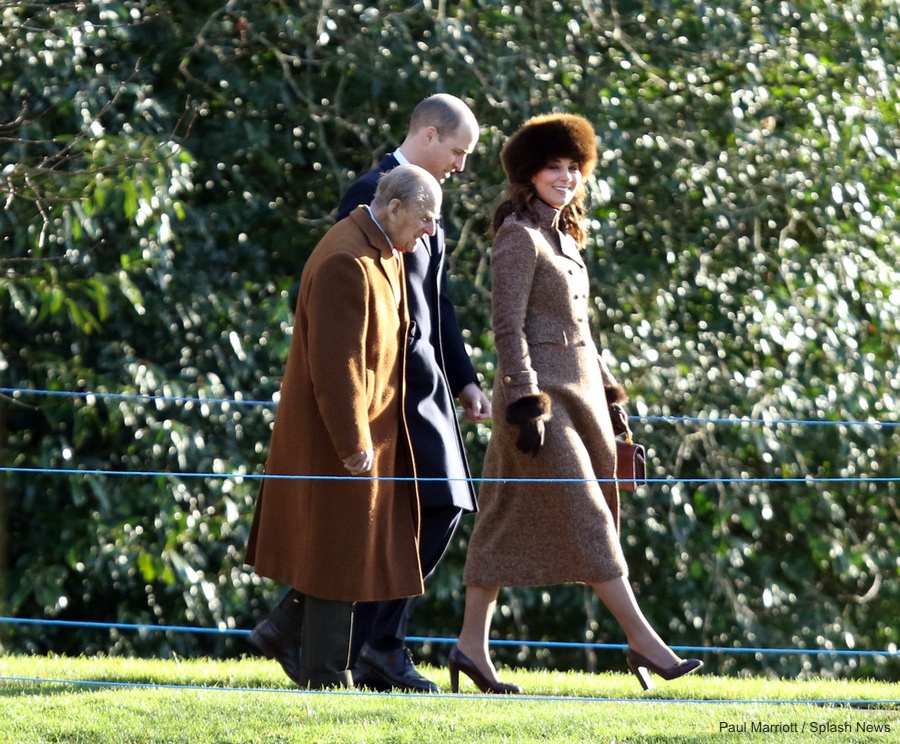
{"type": "Point", "coordinates": [642, 666]}
{"type": "Point", "coordinates": [459, 662]}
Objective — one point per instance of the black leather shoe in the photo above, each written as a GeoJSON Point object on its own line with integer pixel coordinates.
{"type": "Point", "coordinates": [365, 679]}
{"type": "Point", "coordinates": [276, 645]}
{"type": "Point", "coordinates": [391, 670]}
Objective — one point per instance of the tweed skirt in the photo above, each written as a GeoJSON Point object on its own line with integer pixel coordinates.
{"type": "Point", "coordinates": [562, 527]}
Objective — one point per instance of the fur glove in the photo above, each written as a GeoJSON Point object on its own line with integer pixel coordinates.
{"type": "Point", "coordinates": [616, 397]}
{"type": "Point", "coordinates": [530, 414]}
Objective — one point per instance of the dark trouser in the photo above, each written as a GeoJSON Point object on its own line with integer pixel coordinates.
{"type": "Point", "coordinates": [323, 629]}
{"type": "Point", "coordinates": [383, 624]}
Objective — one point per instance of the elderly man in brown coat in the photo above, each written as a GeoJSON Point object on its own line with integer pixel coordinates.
{"type": "Point", "coordinates": [334, 539]}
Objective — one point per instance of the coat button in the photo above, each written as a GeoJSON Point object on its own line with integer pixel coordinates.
{"type": "Point", "coordinates": [507, 379]}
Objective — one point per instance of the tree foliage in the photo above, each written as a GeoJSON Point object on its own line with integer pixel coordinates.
{"type": "Point", "coordinates": [168, 168]}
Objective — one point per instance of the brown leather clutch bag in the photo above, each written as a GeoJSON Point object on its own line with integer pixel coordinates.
{"type": "Point", "coordinates": [631, 464]}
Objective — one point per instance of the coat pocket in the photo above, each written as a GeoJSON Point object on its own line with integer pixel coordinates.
{"type": "Point", "coordinates": [554, 337]}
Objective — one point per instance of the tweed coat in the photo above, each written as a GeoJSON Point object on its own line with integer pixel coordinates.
{"type": "Point", "coordinates": [437, 364]}
{"type": "Point", "coordinates": [541, 533]}
{"type": "Point", "coordinates": [342, 392]}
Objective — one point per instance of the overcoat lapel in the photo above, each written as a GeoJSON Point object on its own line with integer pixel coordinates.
{"type": "Point", "coordinates": [570, 249]}
{"type": "Point", "coordinates": [549, 219]}
{"type": "Point", "coordinates": [389, 261]}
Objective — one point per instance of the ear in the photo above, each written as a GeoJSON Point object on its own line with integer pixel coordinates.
{"type": "Point", "coordinates": [394, 207]}
{"type": "Point", "coordinates": [429, 135]}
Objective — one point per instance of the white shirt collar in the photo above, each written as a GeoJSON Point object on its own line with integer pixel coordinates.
{"type": "Point", "coordinates": [383, 232]}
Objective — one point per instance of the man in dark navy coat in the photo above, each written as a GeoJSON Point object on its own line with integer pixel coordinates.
{"type": "Point", "coordinates": [442, 134]}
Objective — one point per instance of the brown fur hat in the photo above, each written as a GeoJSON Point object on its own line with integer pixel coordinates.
{"type": "Point", "coordinates": [544, 138]}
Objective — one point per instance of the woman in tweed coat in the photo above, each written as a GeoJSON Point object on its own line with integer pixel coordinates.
{"type": "Point", "coordinates": [562, 408]}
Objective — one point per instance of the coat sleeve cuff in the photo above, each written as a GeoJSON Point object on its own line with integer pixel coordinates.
{"type": "Point", "coordinates": [528, 409]}
{"type": "Point", "coordinates": [521, 383]}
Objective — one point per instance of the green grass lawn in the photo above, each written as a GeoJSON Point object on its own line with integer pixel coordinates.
{"type": "Point", "coordinates": [114, 700]}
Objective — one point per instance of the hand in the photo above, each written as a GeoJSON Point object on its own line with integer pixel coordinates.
{"type": "Point", "coordinates": [476, 406]}
{"type": "Point", "coordinates": [361, 462]}
{"type": "Point", "coordinates": [619, 419]}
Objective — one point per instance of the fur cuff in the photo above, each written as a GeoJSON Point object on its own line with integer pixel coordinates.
{"type": "Point", "coordinates": [528, 409]}
{"type": "Point", "coordinates": [615, 394]}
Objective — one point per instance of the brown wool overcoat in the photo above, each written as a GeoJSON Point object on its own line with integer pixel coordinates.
{"type": "Point", "coordinates": [342, 393]}
{"type": "Point", "coordinates": [533, 533]}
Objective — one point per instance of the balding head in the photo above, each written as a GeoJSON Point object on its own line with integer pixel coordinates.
{"type": "Point", "coordinates": [442, 133]}
{"type": "Point", "coordinates": [448, 114]}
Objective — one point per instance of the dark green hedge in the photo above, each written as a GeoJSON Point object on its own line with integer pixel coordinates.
{"type": "Point", "coordinates": [168, 166]}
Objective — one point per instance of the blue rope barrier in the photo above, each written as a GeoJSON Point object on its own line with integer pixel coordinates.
{"type": "Point", "coordinates": [259, 476]}
{"type": "Point", "coordinates": [239, 402]}
{"type": "Point", "coordinates": [446, 640]}
{"type": "Point", "coordinates": [500, 699]}
{"type": "Point", "coordinates": [424, 639]}
{"type": "Point", "coordinates": [146, 397]}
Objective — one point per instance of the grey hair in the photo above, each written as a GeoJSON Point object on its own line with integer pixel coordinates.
{"type": "Point", "coordinates": [405, 183]}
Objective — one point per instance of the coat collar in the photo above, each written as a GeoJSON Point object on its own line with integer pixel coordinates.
{"type": "Point", "coordinates": [388, 258]}
{"type": "Point", "coordinates": [548, 216]}
{"type": "Point", "coordinates": [373, 232]}
{"type": "Point", "coordinates": [549, 220]}
{"type": "Point", "coordinates": [388, 162]}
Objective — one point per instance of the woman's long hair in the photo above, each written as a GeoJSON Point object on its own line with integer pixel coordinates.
{"type": "Point", "coordinates": [521, 202]}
